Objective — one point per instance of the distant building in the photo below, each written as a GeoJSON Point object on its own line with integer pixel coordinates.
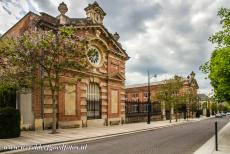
{"type": "Point", "coordinates": [208, 105]}
{"type": "Point", "coordinates": [203, 101]}
{"type": "Point", "coordinates": [99, 98]}
{"type": "Point", "coordinates": [139, 92]}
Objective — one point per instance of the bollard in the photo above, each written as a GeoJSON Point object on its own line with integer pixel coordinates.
{"type": "Point", "coordinates": [216, 136]}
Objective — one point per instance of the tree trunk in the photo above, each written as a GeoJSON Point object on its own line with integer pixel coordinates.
{"type": "Point", "coordinates": [54, 113]}
{"type": "Point", "coordinates": [176, 116]}
{"type": "Point", "coordinates": [170, 117]}
{"type": "Point", "coordinates": [52, 88]}
{"type": "Point", "coordinates": [175, 112]}
{"type": "Point", "coordinates": [187, 115]}
{"type": "Point", "coordinates": [171, 112]}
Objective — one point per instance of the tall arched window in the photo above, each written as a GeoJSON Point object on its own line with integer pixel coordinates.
{"type": "Point", "coordinates": [93, 92]}
{"type": "Point", "coordinates": [93, 101]}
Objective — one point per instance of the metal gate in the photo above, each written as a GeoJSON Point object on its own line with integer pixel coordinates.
{"type": "Point", "coordinates": [93, 101]}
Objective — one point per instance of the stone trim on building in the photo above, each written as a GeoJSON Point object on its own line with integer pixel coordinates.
{"type": "Point", "coordinates": [109, 74]}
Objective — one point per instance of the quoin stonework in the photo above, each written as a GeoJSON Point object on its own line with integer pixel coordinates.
{"type": "Point", "coordinates": [99, 97]}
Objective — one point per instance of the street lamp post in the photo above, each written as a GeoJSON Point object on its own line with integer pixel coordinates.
{"type": "Point", "coordinates": [148, 122]}
{"type": "Point", "coordinates": [149, 101]}
{"type": "Point", "coordinates": [188, 106]}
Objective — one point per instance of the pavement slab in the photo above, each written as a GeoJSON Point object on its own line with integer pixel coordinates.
{"type": "Point", "coordinates": [183, 138]}
{"type": "Point", "coordinates": [29, 138]}
{"type": "Point", "coordinates": [223, 143]}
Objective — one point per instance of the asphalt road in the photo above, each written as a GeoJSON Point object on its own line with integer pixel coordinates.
{"type": "Point", "coordinates": [180, 139]}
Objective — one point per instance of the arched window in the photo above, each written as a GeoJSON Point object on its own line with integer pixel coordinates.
{"type": "Point", "coordinates": [93, 101]}
{"type": "Point", "coordinates": [93, 92]}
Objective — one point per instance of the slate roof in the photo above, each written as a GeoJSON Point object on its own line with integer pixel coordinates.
{"type": "Point", "coordinates": [203, 97]}
{"type": "Point", "coordinates": [143, 84]}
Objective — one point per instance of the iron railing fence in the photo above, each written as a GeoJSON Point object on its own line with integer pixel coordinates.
{"type": "Point", "coordinates": [136, 111]}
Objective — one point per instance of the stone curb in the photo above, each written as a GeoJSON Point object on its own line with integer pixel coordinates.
{"type": "Point", "coordinates": [102, 136]}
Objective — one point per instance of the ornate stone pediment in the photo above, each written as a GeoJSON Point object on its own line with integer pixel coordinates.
{"type": "Point", "coordinates": [117, 76]}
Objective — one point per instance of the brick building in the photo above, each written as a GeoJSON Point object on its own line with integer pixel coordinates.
{"type": "Point", "coordinates": [139, 92]}
{"type": "Point", "coordinates": [99, 98]}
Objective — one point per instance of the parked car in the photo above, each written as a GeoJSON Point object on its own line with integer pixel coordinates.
{"type": "Point", "coordinates": [218, 115]}
{"type": "Point", "coordinates": [228, 113]}
{"type": "Point", "coordinates": [223, 114]}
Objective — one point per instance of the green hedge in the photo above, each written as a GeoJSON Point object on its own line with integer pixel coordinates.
{"type": "Point", "coordinates": [7, 97]}
{"type": "Point", "coordinates": [208, 113]}
{"type": "Point", "coordinates": [199, 113]}
{"type": "Point", "coordinates": [9, 122]}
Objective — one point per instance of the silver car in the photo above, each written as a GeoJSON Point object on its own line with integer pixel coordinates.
{"type": "Point", "coordinates": [218, 115]}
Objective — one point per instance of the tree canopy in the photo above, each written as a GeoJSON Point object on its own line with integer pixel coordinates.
{"type": "Point", "coordinates": [41, 58]}
{"type": "Point", "coordinates": [218, 67]}
{"type": "Point", "coordinates": [169, 92]}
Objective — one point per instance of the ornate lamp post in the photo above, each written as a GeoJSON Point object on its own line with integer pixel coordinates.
{"type": "Point", "coordinates": [149, 93]}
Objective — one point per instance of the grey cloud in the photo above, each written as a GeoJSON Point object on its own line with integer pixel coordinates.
{"type": "Point", "coordinates": [8, 11]}
{"type": "Point", "coordinates": [75, 8]}
{"type": "Point", "coordinates": [127, 17]}
{"type": "Point", "coordinates": [7, 5]}
{"type": "Point", "coordinates": [5, 2]}
{"type": "Point", "coordinates": [189, 41]}
{"type": "Point", "coordinates": [181, 31]}
{"type": "Point", "coordinates": [144, 63]}
{"type": "Point", "coordinates": [177, 32]}
{"type": "Point", "coordinates": [22, 12]}
{"type": "Point", "coordinates": [46, 6]}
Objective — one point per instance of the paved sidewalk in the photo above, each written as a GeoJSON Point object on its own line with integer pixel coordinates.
{"type": "Point", "coordinates": [223, 143]}
{"type": "Point", "coordinates": [30, 138]}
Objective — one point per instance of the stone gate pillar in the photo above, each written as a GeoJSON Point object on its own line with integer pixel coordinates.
{"type": "Point", "coordinates": [172, 112]}
{"type": "Point", "coordinates": [163, 110]}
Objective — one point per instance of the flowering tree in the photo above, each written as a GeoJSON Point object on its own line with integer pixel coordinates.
{"type": "Point", "coordinates": [40, 58]}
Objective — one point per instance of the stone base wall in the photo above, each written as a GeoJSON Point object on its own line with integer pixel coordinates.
{"type": "Point", "coordinates": [69, 124]}
{"type": "Point", "coordinates": [38, 124]}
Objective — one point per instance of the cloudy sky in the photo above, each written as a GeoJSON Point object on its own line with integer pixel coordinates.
{"type": "Point", "coordinates": [164, 36]}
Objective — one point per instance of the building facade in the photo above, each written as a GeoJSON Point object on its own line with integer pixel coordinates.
{"type": "Point", "coordinates": [139, 93]}
{"type": "Point", "coordinates": [203, 101]}
{"type": "Point", "coordinates": [99, 97]}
